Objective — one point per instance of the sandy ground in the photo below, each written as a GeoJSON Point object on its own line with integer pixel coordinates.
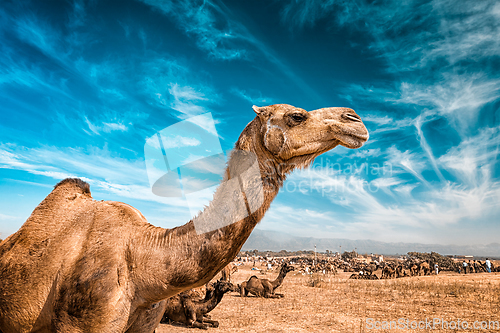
{"type": "Point", "coordinates": [322, 303]}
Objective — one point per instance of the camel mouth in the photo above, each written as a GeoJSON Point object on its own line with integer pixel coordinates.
{"type": "Point", "coordinates": [352, 135]}
{"type": "Point", "coordinates": [363, 137]}
{"type": "Point", "coordinates": [353, 140]}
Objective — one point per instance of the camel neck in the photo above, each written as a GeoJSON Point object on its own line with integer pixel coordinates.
{"type": "Point", "coordinates": [279, 280]}
{"type": "Point", "coordinates": [211, 303]}
{"type": "Point", "coordinates": [191, 255]}
{"type": "Point", "coordinates": [216, 236]}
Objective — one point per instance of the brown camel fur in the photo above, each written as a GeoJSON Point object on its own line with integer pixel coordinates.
{"type": "Point", "coordinates": [80, 265]}
{"type": "Point", "coordinates": [264, 287]}
{"type": "Point", "coordinates": [191, 311]}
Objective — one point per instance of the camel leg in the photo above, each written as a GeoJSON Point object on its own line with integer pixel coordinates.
{"type": "Point", "coordinates": [197, 324]}
{"type": "Point", "coordinates": [214, 323]}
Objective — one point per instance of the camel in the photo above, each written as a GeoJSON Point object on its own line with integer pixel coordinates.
{"type": "Point", "coordinates": [388, 272]}
{"type": "Point", "coordinates": [184, 308]}
{"type": "Point", "coordinates": [424, 268]}
{"type": "Point", "coordinates": [264, 287]}
{"type": "Point", "coordinates": [363, 276]}
{"type": "Point", "coordinates": [99, 266]}
{"type": "Point", "coordinates": [372, 267]}
{"type": "Point", "coordinates": [228, 271]}
{"type": "Point", "coordinates": [414, 270]}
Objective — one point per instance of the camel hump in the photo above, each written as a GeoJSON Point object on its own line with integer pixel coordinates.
{"type": "Point", "coordinates": [75, 183]}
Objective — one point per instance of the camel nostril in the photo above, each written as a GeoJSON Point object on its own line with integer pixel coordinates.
{"type": "Point", "coordinates": [352, 117]}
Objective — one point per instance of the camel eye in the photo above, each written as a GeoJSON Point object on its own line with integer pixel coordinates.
{"type": "Point", "coordinates": [298, 117]}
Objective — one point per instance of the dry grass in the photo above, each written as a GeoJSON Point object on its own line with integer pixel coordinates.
{"type": "Point", "coordinates": [321, 303]}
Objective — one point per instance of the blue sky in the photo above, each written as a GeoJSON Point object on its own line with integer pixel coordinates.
{"type": "Point", "coordinates": [83, 84]}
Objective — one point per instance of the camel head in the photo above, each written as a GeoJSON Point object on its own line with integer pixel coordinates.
{"type": "Point", "coordinates": [225, 287]}
{"type": "Point", "coordinates": [292, 133]}
{"type": "Point", "coordinates": [287, 268]}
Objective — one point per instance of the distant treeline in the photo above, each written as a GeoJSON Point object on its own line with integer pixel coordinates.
{"type": "Point", "coordinates": [282, 253]}
{"type": "Point", "coordinates": [285, 253]}
{"type": "Point", "coordinates": [442, 260]}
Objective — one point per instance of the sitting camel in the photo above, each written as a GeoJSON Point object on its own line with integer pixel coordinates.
{"type": "Point", "coordinates": [192, 311]}
{"type": "Point", "coordinates": [264, 287]}
{"type": "Point", "coordinates": [98, 266]}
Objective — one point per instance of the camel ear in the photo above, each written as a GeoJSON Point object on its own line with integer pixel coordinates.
{"type": "Point", "coordinates": [261, 111]}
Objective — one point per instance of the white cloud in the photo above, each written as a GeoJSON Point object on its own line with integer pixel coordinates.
{"type": "Point", "coordinates": [106, 173]}
{"type": "Point", "coordinates": [171, 86]}
{"type": "Point", "coordinates": [474, 159]}
{"type": "Point", "coordinates": [210, 24]}
{"type": "Point", "coordinates": [106, 127]}
{"type": "Point", "coordinates": [4, 217]}
{"type": "Point", "coordinates": [253, 97]}
{"type": "Point", "coordinates": [224, 38]}
{"type": "Point", "coordinates": [180, 141]}
{"type": "Point", "coordinates": [458, 97]}
{"type": "Point", "coordinates": [409, 161]}
{"type": "Point", "coordinates": [426, 147]}
{"type": "Point", "coordinates": [442, 49]}
{"type": "Point", "coordinates": [365, 153]}
{"type": "Point", "coordinates": [407, 218]}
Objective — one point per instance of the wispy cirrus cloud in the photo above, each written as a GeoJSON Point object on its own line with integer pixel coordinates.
{"type": "Point", "coordinates": [254, 97]}
{"type": "Point", "coordinates": [474, 160]}
{"type": "Point", "coordinates": [441, 49]}
{"type": "Point", "coordinates": [440, 53]}
{"type": "Point", "coordinates": [425, 215]}
{"type": "Point", "coordinates": [223, 37]}
{"type": "Point", "coordinates": [106, 127]}
{"type": "Point", "coordinates": [172, 86]}
{"type": "Point", "coordinates": [410, 33]}
{"type": "Point", "coordinates": [209, 23]}
{"type": "Point", "coordinates": [106, 173]}
{"type": "Point", "coordinates": [460, 98]}
{"type": "Point", "coordinates": [93, 89]}
{"type": "Point", "coordinates": [305, 222]}
{"type": "Point", "coordinates": [79, 74]}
